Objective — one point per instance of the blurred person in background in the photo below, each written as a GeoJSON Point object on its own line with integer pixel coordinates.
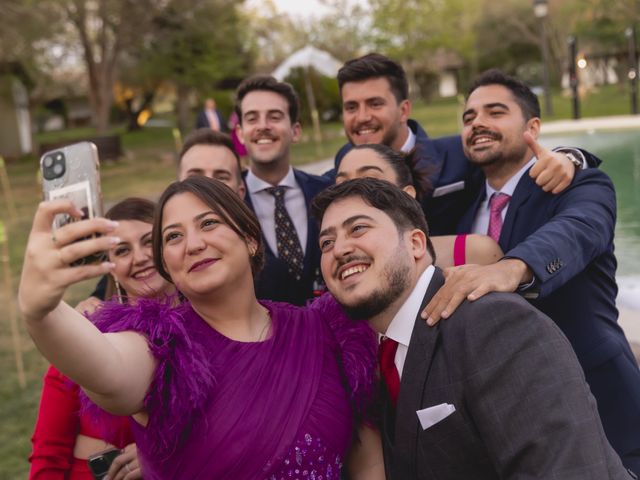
{"type": "Point", "coordinates": [210, 117]}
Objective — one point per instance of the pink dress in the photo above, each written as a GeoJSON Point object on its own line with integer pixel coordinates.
{"type": "Point", "coordinates": [286, 407]}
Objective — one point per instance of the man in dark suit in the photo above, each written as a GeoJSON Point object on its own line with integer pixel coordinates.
{"type": "Point", "coordinates": [210, 117]}
{"type": "Point", "coordinates": [376, 109]}
{"type": "Point", "coordinates": [559, 250]}
{"type": "Point", "coordinates": [496, 392]}
{"type": "Point", "coordinates": [280, 195]}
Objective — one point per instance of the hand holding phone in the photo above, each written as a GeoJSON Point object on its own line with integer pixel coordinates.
{"type": "Point", "coordinates": [72, 172]}
{"type": "Point", "coordinates": [47, 268]}
{"type": "Point", "coordinates": [100, 462]}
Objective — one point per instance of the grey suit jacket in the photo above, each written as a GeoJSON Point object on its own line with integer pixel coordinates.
{"type": "Point", "coordinates": [523, 409]}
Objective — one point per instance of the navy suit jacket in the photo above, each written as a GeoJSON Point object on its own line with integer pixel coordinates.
{"type": "Point", "coordinates": [274, 281]}
{"type": "Point", "coordinates": [567, 241]}
{"type": "Point", "coordinates": [455, 182]}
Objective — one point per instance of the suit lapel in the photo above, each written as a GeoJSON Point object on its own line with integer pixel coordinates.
{"type": "Point", "coordinates": [312, 227]}
{"type": "Point", "coordinates": [520, 197]}
{"type": "Point", "coordinates": [414, 378]}
{"type": "Point", "coordinates": [267, 248]}
{"type": "Point", "coordinates": [425, 149]}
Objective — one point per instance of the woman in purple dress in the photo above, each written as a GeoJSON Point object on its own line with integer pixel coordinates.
{"type": "Point", "coordinates": [221, 386]}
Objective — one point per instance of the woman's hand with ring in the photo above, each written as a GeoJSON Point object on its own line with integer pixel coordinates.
{"type": "Point", "coordinates": [126, 466]}
{"type": "Point", "coordinates": [48, 257]}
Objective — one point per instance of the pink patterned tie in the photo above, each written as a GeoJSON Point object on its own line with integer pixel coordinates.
{"type": "Point", "coordinates": [497, 202]}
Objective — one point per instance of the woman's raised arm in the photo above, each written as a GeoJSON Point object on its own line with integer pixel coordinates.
{"type": "Point", "coordinates": [115, 369]}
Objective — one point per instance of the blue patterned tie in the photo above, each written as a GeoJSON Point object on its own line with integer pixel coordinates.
{"type": "Point", "coordinates": [287, 240]}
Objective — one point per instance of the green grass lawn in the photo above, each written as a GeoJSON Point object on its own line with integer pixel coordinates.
{"type": "Point", "coordinates": [147, 168]}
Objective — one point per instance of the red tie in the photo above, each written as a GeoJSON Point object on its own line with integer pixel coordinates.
{"type": "Point", "coordinates": [497, 202]}
{"type": "Point", "coordinates": [388, 368]}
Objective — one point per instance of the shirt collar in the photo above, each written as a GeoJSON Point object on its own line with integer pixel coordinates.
{"type": "Point", "coordinates": [410, 142]}
{"type": "Point", "coordinates": [255, 184]}
{"type": "Point", "coordinates": [510, 187]}
{"type": "Point", "coordinates": [401, 327]}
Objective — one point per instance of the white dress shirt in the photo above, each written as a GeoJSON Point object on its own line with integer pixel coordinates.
{"type": "Point", "coordinates": [481, 222]}
{"type": "Point", "coordinates": [410, 142]}
{"type": "Point", "coordinates": [401, 327]}
{"type": "Point", "coordinates": [264, 205]}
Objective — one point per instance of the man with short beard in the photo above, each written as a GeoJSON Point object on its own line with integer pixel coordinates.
{"type": "Point", "coordinates": [559, 250]}
{"type": "Point", "coordinates": [376, 109]}
{"type": "Point", "coordinates": [496, 392]}
{"type": "Point", "coordinates": [280, 195]}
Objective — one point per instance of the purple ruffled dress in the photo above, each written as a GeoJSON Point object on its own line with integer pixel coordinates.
{"type": "Point", "coordinates": [283, 408]}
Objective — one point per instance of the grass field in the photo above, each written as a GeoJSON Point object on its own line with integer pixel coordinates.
{"type": "Point", "coordinates": [147, 168]}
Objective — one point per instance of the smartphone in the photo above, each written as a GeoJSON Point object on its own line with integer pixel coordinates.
{"type": "Point", "coordinates": [73, 172]}
{"type": "Point", "coordinates": [100, 462]}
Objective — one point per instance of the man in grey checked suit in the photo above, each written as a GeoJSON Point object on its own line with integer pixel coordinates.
{"type": "Point", "coordinates": [496, 392]}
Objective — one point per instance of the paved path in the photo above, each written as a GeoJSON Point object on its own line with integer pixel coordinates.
{"type": "Point", "coordinates": [629, 297]}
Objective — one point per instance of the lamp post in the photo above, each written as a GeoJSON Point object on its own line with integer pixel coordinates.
{"type": "Point", "coordinates": [541, 10]}
{"type": "Point", "coordinates": [630, 33]}
{"type": "Point", "coordinates": [573, 76]}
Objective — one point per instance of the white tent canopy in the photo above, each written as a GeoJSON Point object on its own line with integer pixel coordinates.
{"type": "Point", "coordinates": [309, 56]}
{"type": "Point", "coordinates": [323, 63]}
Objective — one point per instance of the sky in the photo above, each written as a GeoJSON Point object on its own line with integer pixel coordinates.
{"type": "Point", "coordinates": [304, 8]}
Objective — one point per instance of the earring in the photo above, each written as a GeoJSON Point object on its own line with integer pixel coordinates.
{"type": "Point", "coordinates": [119, 291]}
{"type": "Point", "coordinates": [253, 250]}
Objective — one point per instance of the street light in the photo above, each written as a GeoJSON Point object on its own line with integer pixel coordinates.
{"type": "Point", "coordinates": [630, 33]}
{"type": "Point", "coordinates": [573, 76]}
{"type": "Point", "coordinates": [541, 10]}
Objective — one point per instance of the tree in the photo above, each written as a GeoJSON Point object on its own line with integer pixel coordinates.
{"type": "Point", "coordinates": [21, 37]}
{"type": "Point", "coordinates": [412, 31]}
{"type": "Point", "coordinates": [195, 45]}
{"type": "Point", "coordinates": [270, 36]}
{"type": "Point", "coordinates": [345, 31]}
{"type": "Point", "coordinates": [102, 31]}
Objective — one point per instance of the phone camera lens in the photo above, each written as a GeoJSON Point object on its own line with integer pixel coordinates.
{"type": "Point", "coordinates": [53, 165]}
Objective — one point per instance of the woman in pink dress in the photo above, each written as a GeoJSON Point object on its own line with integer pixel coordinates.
{"type": "Point", "coordinates": [221, 386]}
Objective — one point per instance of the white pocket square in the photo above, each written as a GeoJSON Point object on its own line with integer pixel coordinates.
{"type": "Point", "coordinates": [430, 416]}
{"type": "Point", "coordinates": [446, 189]}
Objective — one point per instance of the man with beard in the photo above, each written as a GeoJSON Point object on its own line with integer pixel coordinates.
{"type": "Point", "coordinates": [279, 194]}
{"type": "Point", "coordinates": [376, 109]}
{"type": "Point", "coordinates": [559, 250]}
{"type": "Point", "coordinates": [494, 393]}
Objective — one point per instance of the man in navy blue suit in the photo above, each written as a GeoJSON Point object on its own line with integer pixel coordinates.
{"type": "Point", "coordinates": [280, 195]}
{"type": "Point", "coordinates": [376, 109]}
{"type": "Point", "coordinates": [559, 250]}
{"type": "Point", "coordinates": [210, 117]}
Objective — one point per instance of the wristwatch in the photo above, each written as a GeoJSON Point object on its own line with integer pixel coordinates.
{"type": "Point", "coordinates": [573, 159]}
